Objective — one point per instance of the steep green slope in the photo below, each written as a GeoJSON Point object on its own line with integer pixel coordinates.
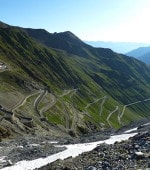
{"type": "Point", "coordinates": [56, 82]}
{"type": "Point", "coordinates": [125, 71]}
{"type": "Point", "coordinates": [64, 41]}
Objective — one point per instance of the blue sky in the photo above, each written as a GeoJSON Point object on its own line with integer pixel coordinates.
{"type": "Point", "coordinates": [105, 20]}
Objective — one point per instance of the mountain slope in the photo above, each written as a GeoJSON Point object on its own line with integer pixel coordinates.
{"type": "Point", "coordinates": [64, 41]}
{"type": "Point", "coordinates": [145, 58]}
{"type": "Point", "coordinates": [55, 82]}
{"type": "Point", "coordinates": [142, 54]}
{"type": "Point", "coordinates": [114, 61]}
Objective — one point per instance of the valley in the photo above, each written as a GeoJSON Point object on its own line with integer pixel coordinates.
{"type": "Point", "coordinates": [54, 87]}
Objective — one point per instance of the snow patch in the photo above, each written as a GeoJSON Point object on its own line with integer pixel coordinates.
{"type": "Point", "coordinates": [146, 124]}
{"type": "Point", "coordinates": [2, 159]}
{"type": "Point", "coordinates": [131, 130]}
{"type": "Point", "coordinates": [72, 150]}
{"type": "Point", "coordinates": [139, 153]}
{"type": "Point", "coordinates": [34, 145]}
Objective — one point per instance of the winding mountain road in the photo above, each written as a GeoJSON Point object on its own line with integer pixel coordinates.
{"type": "Point", "coordinates": [73, 92]}
{"type": "Point", "coordinates": [123, 110]}
{"type": "Point", "coordinates": [67, 117]}
{"type": "Point", "coordinates": [38, 100]}
{"type": "Point", "coordinates": [69, 126]}
{"type": "Point", "coordinates": [89, 104]}
{"type": "Point", "coordinates": [48, 106]}
{"type": "Point", "coordinates": [23, 101]}
{"type": "Point", "coordinates": [22, 122]}
{"type": "Point", "coordinates": [101, 105]}
{"type": "Point", "coordinates": [75, 119]}
{"type": "Point", "coordinates": [85, 112]}
{"type": "Point", "coordinates": [108, 117]}
{"type": "Point", "coordinates": [66, 92]}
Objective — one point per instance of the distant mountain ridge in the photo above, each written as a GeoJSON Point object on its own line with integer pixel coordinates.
{"type": "Point", "coordinates": [142, 53]}
{"type": "Point", "coordinates": [120, 47]}
{"type": "Point", "coordinates": [145, 58]}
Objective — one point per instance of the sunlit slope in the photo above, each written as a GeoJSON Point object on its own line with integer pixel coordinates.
{"type": "Point", "coordinates": [122, 76]}
{"type": "Point", "coordinates": [68, 85]}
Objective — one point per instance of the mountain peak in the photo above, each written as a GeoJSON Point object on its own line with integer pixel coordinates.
{"type": "Point", "coordinates": [3, 25]}
{"type": "Point", "coordinates": [69, 36]}
{"type": "Point", "coordinates": [64, 41]}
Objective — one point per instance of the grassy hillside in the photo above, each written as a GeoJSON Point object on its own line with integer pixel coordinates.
{"type": "Point", "coordinates": [55, 82]}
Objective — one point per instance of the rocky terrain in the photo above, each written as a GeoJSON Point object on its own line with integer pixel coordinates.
{"type": "Point", "coordinates": [27, 148]}
{"type": "Point", "coordinates": [132, 154]}
{"type": "Point", "coordinates": [30, 147]}
{"type": "Point", "coordinates": [54, 87]}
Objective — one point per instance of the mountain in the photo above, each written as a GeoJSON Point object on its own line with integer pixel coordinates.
{"type": "Point", "coordinates": [120, 47]}
{"type": "Point", "coordinates": [145, 58]}
{"type": "Point", "coordinates": [3, 25]}
{"type": "Point", "coordinates": [142, 54]}
{"type": "Point", "coordinates": [56, 84]}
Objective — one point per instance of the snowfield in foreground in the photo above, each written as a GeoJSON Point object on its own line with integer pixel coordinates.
{"type": "Point", "coordinates": [72, 150]}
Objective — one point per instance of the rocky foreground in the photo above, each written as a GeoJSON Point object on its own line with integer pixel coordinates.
{"type": "Point", "coordinates": [27, 148]}
{"type": "Point", "coordinates": [128, 155]}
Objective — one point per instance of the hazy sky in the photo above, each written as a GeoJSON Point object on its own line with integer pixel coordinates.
{"type": "Point", "coordinates": [105, 20]}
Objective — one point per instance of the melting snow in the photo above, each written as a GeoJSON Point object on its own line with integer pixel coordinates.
{"type": "Point", "coordinates": [146, 124]}
{"type": "Point", "coordinates": [72, 150]}
{"type": "Point", "coordinates": [2, 159]}
{"type": "Point", "coordinates": [131, 130]}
